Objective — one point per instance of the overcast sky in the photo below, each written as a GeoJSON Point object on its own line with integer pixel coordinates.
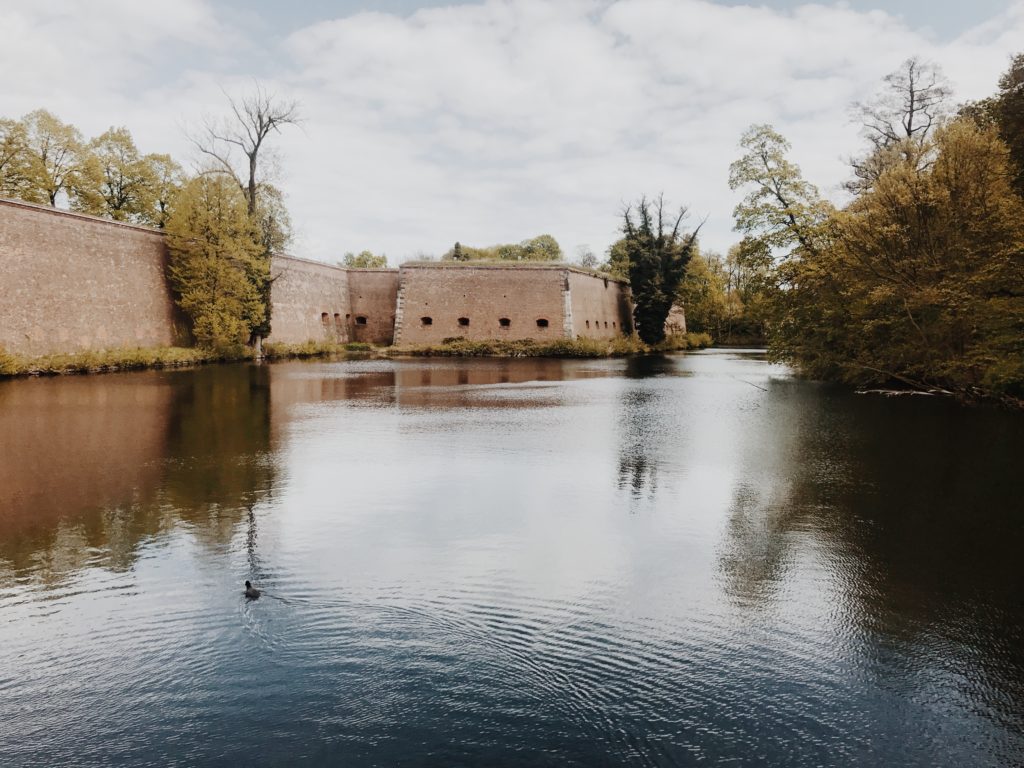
{"type": "Point", "coordinates": [485, 122]}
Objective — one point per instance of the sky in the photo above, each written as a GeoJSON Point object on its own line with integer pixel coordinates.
{"type": "Point", "coordinates": [485, 122]}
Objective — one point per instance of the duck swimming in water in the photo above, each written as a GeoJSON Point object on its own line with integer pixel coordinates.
{"type": "Point", "coordinates": [250, 591]}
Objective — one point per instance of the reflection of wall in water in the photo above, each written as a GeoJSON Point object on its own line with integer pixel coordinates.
{"type": "Point", "coordinates": [99, 464]}
{"type": "Point", "coordinates": [72, 448]}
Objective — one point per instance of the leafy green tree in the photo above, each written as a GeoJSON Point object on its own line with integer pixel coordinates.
{"type": "Point", "coordinates": [540, 248]}
{"type": "Point", "coordinates": [115, 180]}
{"type": "Point", "coordinates": [217, 263]}
{"type": "Point", "coordinates": [168, 179]}
{"type": "Point", "coordinates": [703, 295]}
{"type": "Point", "coordinates": [780, 210]}
{"type": "Point", "coordinates": [617, 261]}
{"type": "Point", "coordinates": [365, 260]}
{"type": "Point", "coordinates": [925, 282]}
{"type": "Point", "coordinates": [14, 170]}
{"type": "Point", "coordinates": [658, 252]}
{"type": "Point", "coordinates": [54, 157]}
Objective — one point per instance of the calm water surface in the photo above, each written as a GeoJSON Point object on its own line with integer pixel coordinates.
{"type": "Point", "coordinates": [679, 561]}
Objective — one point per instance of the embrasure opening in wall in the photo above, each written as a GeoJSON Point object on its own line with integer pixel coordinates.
{"type": "Point", "coordinates": [464, 321]}
{"type": "Point", "coordinates": [504, 322]}
{"type": "Point", "coordinates": [542, 322]}
{"type": "Point", "coordinates": [426, 321]}
{"type": "Point", "coordinates": [360, 319]}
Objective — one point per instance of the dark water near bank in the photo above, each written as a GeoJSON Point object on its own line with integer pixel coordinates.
{"type": "Point", "coordinates": [681, 561]}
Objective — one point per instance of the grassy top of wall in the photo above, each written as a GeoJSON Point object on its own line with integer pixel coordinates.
{"type": "Point", "coordinates": [518, 265]}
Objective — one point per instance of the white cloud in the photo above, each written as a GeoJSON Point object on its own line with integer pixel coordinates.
{"type": "Point", "coordinates": [494, 121]}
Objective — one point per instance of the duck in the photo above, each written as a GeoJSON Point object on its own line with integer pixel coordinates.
{"type": "Point", "coordinates": [250, 591]}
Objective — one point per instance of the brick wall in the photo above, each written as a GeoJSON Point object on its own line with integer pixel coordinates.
{"type": "Point", "coordinates": [600, 306]}
{"type": "Point", "coordinates": [434, 298]}
{"type": "Point", "coordinates": [309, 301]}
{"type": "Point", "coordinates": [373, 294]}
{"type": "Point", "coordinates": [70, 283]}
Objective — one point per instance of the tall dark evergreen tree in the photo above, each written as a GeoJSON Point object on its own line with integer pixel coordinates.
{"type": "Point", "coordinates": [658, 253]}
{"type": "Point", "coordinates": [1010, 117]}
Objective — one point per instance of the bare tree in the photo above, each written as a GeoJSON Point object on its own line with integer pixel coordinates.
{"type": "Point", "coordinates": [899, 120]}
{"type": "Point", "coordinates": [252, 119]}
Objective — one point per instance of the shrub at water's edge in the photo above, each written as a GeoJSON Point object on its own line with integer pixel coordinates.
{"type": "Point", "coordinates": [281, 351]}
{"type": "Point", "coordinates": [567, 348]}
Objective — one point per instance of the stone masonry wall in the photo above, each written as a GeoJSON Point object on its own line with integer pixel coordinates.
{"type": "Point", "coordinates": [600, 306]}
{"type": "Point", "coordinates": [70, 283]}
{"type": "Point", "coordinates": [471, 301]}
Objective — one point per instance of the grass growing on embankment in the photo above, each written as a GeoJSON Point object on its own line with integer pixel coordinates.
{"type": "Point", "coordinates": [111, 360]}
{"type": "Point", "coordinates": [179, 357]}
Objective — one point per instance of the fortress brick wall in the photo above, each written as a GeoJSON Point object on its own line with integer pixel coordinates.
{"type": "Point", "coordinates": [480, 302]}
{"type": "Point", "coordinates": [309, 301]}
{"type": "Point", "coordinates": [71, 283]}
{"type": "Point", "coordinates": [74, 283]}
{"type": "Point", "coordinates": [373, 296]}
{"type": "Point", "coordinates": [600, 306]}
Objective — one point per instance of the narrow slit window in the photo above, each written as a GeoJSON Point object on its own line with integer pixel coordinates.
{"type": "Point", "coordinates": [588, 323]}
{"type": "Point", "coordinates": [464, 322]}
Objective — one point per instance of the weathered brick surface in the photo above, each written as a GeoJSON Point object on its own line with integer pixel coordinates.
{"type": "Point", "coordinates": [105, 441]}
{"type": "Point", "coordinates": [70, 283]}
{"type": "Point", "coordinates": [372, 296]}
{"type": "Point", "coordinates": [600, 306]}
{"type": "Point", "coordinates": [483, 295]}
{"type": "Point", "coordinates": [309, 300]}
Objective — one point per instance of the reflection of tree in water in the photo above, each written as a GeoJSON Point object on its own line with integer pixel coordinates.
{"type": "Point", "coordinates": [218, 447]}
{"type": "Point", "coordinates": [914, 508]}
{"type": "Point", "coordinates": [200, 455]}
{"type": "Point", "coordinates": [641, 423]}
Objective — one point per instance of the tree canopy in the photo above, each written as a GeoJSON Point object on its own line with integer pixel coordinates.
{"type": "Point", "coordinates": [920, 279]}
{"type": "Point", "coordinates": [365, 260]}
{"type": "Point", "coordinates": [217, 268]}
{"type": "Point", "coordinates": [540, 248]}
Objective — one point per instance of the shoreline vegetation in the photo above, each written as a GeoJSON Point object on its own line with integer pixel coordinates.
{"type": "Point", "coordinates": [110, 361]}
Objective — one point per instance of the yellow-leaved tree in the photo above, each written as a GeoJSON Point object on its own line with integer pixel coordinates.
{"type": "Point", "coordinates": [217, 262]}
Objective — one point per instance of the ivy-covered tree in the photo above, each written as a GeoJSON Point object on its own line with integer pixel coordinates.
{"type": "Point", "coordinates": [216, 262]}
{"type": "Point", "coordinates": [658, 251]}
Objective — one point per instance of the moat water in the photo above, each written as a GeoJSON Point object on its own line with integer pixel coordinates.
{"type": "Point", "coordinates": [664, 561]}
